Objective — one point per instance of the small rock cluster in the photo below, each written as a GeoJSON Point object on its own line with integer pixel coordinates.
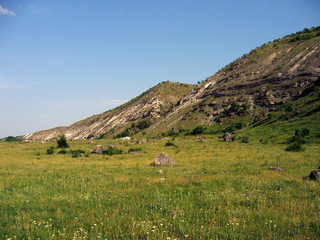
{"type": "Point", "coordinates": [276, 169]}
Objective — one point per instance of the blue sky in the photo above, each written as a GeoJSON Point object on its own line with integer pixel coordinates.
{"type": "Point", "coordinates": [63, 61]}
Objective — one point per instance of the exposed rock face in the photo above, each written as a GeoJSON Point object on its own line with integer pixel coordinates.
{"type": "Point", "coordinates": [164, 160]}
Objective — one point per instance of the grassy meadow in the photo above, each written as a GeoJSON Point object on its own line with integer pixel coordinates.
{"type": "Point", "coordinates": [216, 190]}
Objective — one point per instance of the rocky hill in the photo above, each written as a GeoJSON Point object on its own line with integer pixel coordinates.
{"type": "Point", "coordinates": [249, 88]}
{"type": "Point", "coordinates": [142, 111]}
{"type": "Point", "coordinates": [253, 85]}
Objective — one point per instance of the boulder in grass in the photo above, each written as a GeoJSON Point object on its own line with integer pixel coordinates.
{"type": "Point", "coordinates": [97, 150]}
{"type": "Point", "coordinates": [164, 160]}
{"type": "Point", "coordinates": [315, 174]}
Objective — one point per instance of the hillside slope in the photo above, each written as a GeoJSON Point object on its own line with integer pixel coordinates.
{"type": "Point", "coordinates": [144, 109]}
{"type": "Point", "coordinates": [246, 90]}
{"type": "Point", "coordinates": [251, 86]}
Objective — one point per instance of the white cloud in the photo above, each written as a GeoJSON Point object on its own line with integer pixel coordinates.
{"type": "Point", "coordinates": [5, 11]}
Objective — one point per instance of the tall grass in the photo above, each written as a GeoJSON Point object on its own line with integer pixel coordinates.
{"type": "Point", "coordinates": [217, 190]}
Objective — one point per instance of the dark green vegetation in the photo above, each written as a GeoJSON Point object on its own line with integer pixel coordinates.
{"type": "Point", "coordinates": [134, 129]}
{"type": "Point", "coordinates": [12, 139]}
{"type": "Point", "coordinates": [62, 142]}
{"type": "Point", "coordinates": [112, 151]}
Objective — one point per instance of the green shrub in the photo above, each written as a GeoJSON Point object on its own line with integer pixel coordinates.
{"type": "Point", "coordinates": [268, 86]}
{"type": "Point", "coordinates": [12, 139]}
{"type": "Point", "coordinates": [300, 136]}
{"type": "Point", "coordinates": [77, 153]}
{"type": "Point", "coordinates": [245, 140]}
{"type": "Point", "coordinates": [198, 130]}
{"type": "Point", "coordinates": [112, 151]}
{"type": "Point", "coordinates": [294, 147]}
{"type": "Point", "coordinates": [143, 125]}
{"type": "Point", "coordinates": [170, 133]}
{"type": "Point", "coordinates": [125, 133]}
{"type": "Point", "coordinates": [170, 144]}
{"type": "Point", "coordinates": [63, 151]}
{"type": "Point", "coordinates": [135, 150]}
{"type": "Point", "coordinates": [133, 129]}
{"type": "Point", "coordinates": [229, 129]}
{"type": "Point", "coordinates": [62, 142]}
{"type": "Point", "coordinates": [317, 90]}
{"type": "Point", "coordinates": [50, 150]}
{"type": "Point", "coordinates": [289, 107]}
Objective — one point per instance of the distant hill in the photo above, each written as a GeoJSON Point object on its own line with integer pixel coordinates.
{"type": "Point", "coordinates": [141, 111]}
{"type": "Point", "coordinates": [277, 81]}
{"type": "Point", "coordinates": [251, 87]}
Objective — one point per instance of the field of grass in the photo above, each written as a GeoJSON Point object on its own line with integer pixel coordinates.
{"type": "Point", "coordinates": [216, 190]}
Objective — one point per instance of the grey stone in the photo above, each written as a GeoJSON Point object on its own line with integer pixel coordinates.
{"type": "Point", "coordinates": [276, 169]}
{"type": "Point", "coordinates": [97, 150]}
{"type": "Point", "coordinates": [163, 180]}
{"type": "Point", "coordinates": [164, 160]}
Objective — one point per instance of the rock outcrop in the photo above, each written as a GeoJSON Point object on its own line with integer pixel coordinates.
{"type": "Point", "coordinates": [164, 160]}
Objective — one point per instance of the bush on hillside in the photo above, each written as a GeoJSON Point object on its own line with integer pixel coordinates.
{"type": "Point", "coordinates": [62, 142]}
{"type": "Point", "coordinates": [135, 150]}
{"type": "Point", "coordinates": [112, 151]}
{"type": "Point", "coordinates": [50, 150]}
{"type": "Point", "coordinates": [13, 139]}
{"type": "Point", "coordinates": [77, 153]}
{"type": "Point", "coordinates": [289, 107]}
{"type": "Point", "coordinates": [170, 144]}
{"type": "Point", "coordinates": [294, 147]}
{"type": "Point", "coordinates": [133, 129]}
{"type": "Point", "coordinates": [63, 151]}
{"type": "Point", "coordinates": [245, 140]}
{"type": "Point", "coordinates": [198, 130]}
{"type": "Point", "coordinates": [300, 137]}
